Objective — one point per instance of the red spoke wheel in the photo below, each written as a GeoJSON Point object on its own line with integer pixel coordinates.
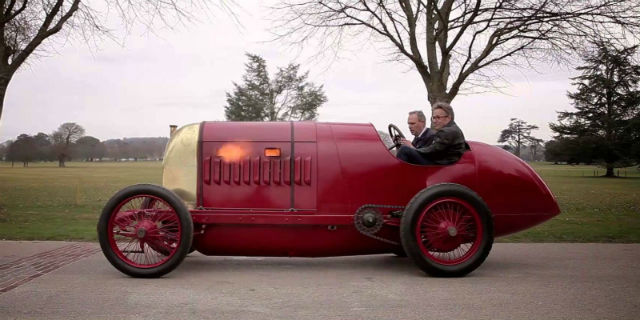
{"type": "Point", "coordinates": [145, 231]}
{"type": "Point", "coordinates": [154, 203]}
{"type": "Point", "coordinates": [160, 220]}
{"type": "Point", "coordinates": [447, 230]}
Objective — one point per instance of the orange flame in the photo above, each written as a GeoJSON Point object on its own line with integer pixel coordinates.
{"type": "Point", "coordinates": [232, 152]}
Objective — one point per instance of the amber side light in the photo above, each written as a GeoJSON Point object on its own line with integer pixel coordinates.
{"type": "Point", "coordinates": [272, 152]}
{"type": "Point", "coordinates": [232, 151]}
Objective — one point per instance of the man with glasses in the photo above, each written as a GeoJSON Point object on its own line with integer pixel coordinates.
{"type": "Point", "coordinates": [447, 146]}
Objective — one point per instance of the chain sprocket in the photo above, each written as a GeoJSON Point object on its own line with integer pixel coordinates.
{"type": "Point", "coordinates": [370, 227]}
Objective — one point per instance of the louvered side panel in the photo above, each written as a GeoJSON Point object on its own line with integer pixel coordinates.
{"type": "Point", "coordinates": [307, 170]}
{"type": "Point", "coordinates": [275, 165]}
{"type": "Point", "coordinates": [266, 171]}
{"type": "Point", "coordinates": [236, 172]}
{"type": "Point", "coordinates": [217, 174]}
{"type": "Point", "coordinates": [297, 177]}
{"type": "Point", "coordinates": [253, 181]}
{"type": "Point", "coordinates": [286, 170]}
{"type": "Point", "coordinates": [255, 163]}
{"type": "Point", "coordinates": [226, 172]}
{"type": "Point", "coordinates": [305, 176]}
{"type": "Point", "coordinates": [246, 171]}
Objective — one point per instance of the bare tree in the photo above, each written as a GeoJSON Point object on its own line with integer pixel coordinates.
{"type": "Point", "coordinates": [28, 24]}
{"type": "Point", "coordinates": [66, 134]}
{"type": "Point", "coordinates": [452, 43]}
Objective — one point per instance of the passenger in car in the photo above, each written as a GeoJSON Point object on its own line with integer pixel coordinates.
{"type": "Point", "coordinates": [448, 143]}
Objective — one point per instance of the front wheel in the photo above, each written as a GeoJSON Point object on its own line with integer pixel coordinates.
{"type": "Point", "coordinates": [447, 230]}
{"type": "Point", "coordinates": [145, 231]}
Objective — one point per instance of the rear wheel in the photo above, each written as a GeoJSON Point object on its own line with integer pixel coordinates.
{"type": "Point", "coordinates": [145, 231]}
{"type": "Point", "coordinates": [447, 230]}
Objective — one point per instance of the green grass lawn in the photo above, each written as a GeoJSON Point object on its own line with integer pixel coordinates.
{"type": "Point", "coordinates": [44, 202]}
{"type": "Point", "coordinates": [594, 208]}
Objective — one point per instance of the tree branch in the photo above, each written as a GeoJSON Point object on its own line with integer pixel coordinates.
{"type": "Point", "coordinates": [44, 32]}
{"type": "Point", "coordinates": [8, 16]}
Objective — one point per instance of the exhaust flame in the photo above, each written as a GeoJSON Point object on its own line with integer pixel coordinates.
{"type": "Point", "coordinates": [232, 152]}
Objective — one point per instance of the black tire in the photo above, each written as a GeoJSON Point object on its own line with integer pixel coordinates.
{"type": "Point", "coordinates": [434, 246]}
{"type": "Point", "coordinates": [177, 211]}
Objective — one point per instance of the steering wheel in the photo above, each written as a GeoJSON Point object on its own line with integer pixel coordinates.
{"type": "Point", "coordinates": [396, 136]}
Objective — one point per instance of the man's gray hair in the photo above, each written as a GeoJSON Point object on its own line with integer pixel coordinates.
{"type": "Point", "coordinates": [420, 114]}
{"type": "Point", "coordinates": [445, 107]}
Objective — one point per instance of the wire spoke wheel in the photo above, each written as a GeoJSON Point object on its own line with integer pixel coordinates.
{"type": "Point", "coordinates": [447, 230]}
{"type": "Point", "coordinates": [145, 231]}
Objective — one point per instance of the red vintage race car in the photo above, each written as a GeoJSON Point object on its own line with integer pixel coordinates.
{"type": "Point", "coordinates": [312, 189]}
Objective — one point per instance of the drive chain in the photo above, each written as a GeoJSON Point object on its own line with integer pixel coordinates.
{"type": "Point", "coordinates": [364, 230]}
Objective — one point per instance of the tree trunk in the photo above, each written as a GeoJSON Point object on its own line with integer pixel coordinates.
{"type": "Point", "coordinates": [609, 170]}
{"type": "Point", "coordinates": [435, 93]}
{"type": "Point", "coordinates": [61, 161]}
{"type": "Point", "coordinates": [5, 77]}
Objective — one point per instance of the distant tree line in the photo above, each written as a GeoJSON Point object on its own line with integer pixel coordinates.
{"type": "Point", "coordinates": [70, 143]}
{"type": "Point", "coordinates": [529, 152]}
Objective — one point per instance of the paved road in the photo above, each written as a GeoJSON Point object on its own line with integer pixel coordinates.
{"type": "Point", "coordinates": [518, 281]}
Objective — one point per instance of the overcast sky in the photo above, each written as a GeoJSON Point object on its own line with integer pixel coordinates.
{"type": "Point", "coordinates": [180, 76]}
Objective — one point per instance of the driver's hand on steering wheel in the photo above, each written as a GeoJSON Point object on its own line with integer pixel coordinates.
{"type": "Point", "coordinates": [406, 142]}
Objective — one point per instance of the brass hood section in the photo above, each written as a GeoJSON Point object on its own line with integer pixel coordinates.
{"type": "Point", "coordinates": [180, 163]}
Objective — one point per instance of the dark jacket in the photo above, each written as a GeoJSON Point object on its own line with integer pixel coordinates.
{"type": "Point", "coordinates": [447, 147]}
{"type": "Point", "coordinates": [425, 139]}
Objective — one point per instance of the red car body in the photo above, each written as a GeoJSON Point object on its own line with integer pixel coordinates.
{"type": "Point", "coordinates": [299, 189]}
